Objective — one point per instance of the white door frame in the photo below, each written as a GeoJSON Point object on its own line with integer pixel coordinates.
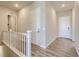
{"type": "Point", "coordinates": [70, 33]}
{"type": "Point", "coordinates": [15, 21]}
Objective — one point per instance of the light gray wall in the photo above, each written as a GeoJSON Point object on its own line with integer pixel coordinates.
{"type": "Point", "coordinates": [40, 26]}
{"type": "Point", "coordinates": [27, 18]}
{"type": "Point", "coordinates": [51, 24]}
{"type": "Point", "coordinates": [24, 19]}
{"type": "Point", "coordinates": [4, 12]}
{"type": "Point", "coordinates": [73, 23]}
{"type": "Point", "coordinates": [47, 25]}
{"type": "Point", "coordinates": [75, 14]}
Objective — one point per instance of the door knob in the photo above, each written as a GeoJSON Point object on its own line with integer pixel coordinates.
{"type": "Point", "coordinates": [7, 24]}
{"type": "Point", "coordinates": [68, 28]}
{"type": "Point", "coordinates": [38, 30]}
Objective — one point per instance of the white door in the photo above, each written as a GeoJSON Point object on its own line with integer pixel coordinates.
{"type": "Point", "coordinates": [11, 22]}
{"type": "Point", "coordinates": [36, 25]}
{"type": "Point", "coordinates": [64, 26]}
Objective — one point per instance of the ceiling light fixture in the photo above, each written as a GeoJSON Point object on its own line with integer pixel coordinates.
{"type": "Point", "coordinates": [16, 5]}
{"type": "Point", "coordinates": [62, 5]}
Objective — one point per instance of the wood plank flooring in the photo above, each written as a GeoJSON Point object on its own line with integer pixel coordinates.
{"type": "Point", "coordinates": [59, 48]}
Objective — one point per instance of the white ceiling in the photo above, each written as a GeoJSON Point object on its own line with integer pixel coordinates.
{"type": "Point", "coordinates": [11, 4]}
{"type": "Point", "coordinates": [57, 5]}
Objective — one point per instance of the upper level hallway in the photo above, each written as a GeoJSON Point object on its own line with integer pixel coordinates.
{"type": "Point", "coordinates": [31, 26]}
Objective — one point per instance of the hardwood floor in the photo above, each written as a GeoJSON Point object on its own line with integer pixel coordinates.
{"type": "Point", "coordinates": [59, 48]}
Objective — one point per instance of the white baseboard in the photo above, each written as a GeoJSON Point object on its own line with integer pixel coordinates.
{"type": "Point", "coordinates": [42, 46]}
{"type": "Point", "coordinates": [45, 46]}
{"type": "Point", "coordinates": [50, 42]}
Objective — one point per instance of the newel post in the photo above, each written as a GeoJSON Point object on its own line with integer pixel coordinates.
{"type": "Point", "coordinates": [28, 43]}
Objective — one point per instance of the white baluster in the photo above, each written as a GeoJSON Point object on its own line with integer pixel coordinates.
{"type": "Point", "coordinates": [24, 43]}
{"type": "Point", "coordinates": [23, 39]}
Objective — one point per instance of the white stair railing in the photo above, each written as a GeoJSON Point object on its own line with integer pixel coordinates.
{"type": "Point", "coordinates": [20, 43]}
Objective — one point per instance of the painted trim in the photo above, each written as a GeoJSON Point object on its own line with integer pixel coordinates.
{"type": "Point", "coordinates": [39, 45]}
{"type": "Point", "coordinates": [51, 42]}
{"type": "Point", "coordinates": [46, 44]}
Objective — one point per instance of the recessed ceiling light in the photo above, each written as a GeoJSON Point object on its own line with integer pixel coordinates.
{"type": "Point", "coordinates": [62, 5]}
{"type": "Point", "coordinates": [16, 5]}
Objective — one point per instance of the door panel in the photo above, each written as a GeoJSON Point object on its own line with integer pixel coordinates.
{"type": "Point", "coordinates": [36, 26]}
{"type": "Point", "coordinates": [12, 23]}
{"type": "Point", "coordinates": [65, 26]}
